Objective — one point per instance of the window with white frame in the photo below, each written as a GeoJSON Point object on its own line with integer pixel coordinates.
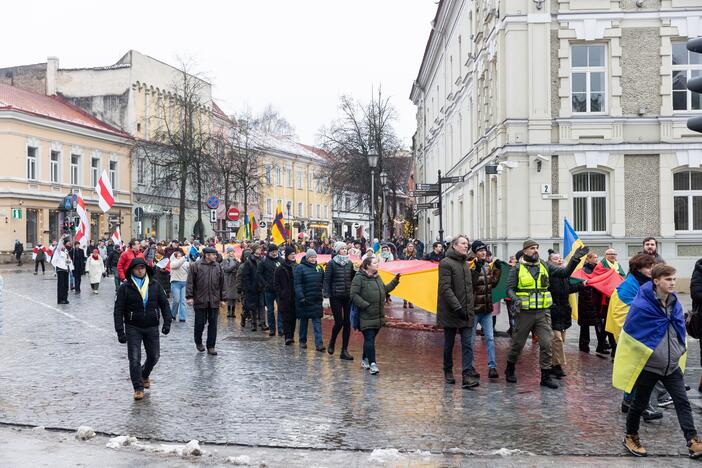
{"type": "Point", "coordinates": [590, 202]}
{"type": "Point", "coordinates": [289, 208]}
{"type": "Point", "coordinates": [94, 168]}
{"type": "Point", "coordinates": [278, 176]}
{"type": "Point", "coordinates": [141, 169]}
{"type": "Point", "coordinates": [54, 166]}
{"type": "Point", "coordinates": [318, 184]}
{"type": "Point", "coordinates": [269, 175]}
{"type": "Point", "coordinates": [32, 162]}
{"type": "Point", "coordinates": [588, 83]}
{"type": "Point", "coordinates": [300, 180]}
{"type": "Point", "coordinates": [324, 211]}
{"type": "Point", "coordinates": [75, 169]}
{"type": "Point", "coordinates": [113, 174]}
{"type": "Point", "coordinates": [300, 210]}
{"type": "Point", "coordinates": [319, 211]}
{"type": "Point", "coordinates": [289, 177]}
{"type": "Point", "coordinates": [686, 65]}
{"type": "Point", "coordinates": [310, 213]}
{"type": "Point", "coordinates": [687, 200]}
{"type": "Point", "coordinates": [279, 204]}
{"type": "Point", "coordinates": [269, 206]}
{"type": "Point", "coordinates": [310, 186]}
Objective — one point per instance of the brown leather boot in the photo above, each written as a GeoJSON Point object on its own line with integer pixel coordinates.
{"type": "Point", "coordinates": [633, 445]}
{"type": "Point", "coordinates": [138, 394]}
{"type": "Point", "coordinates": [695, 447]}
{"type": "Point", "coordinates": [147, 382]}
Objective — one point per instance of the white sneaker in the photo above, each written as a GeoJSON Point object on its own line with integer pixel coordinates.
{"type": "Point", "coordinates": [364, 364]}
{"type": "Point", "coordinates": [374, 368]}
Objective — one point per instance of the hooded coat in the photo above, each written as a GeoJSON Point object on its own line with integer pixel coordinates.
{"type": "Point", "coordinates": [129, 306]}
{"type": "Point", "coordinates": [308, 280]}
{"type": "Point", "coordinates": [250, 282]}
{"type": "Point", "coordinates": [484, 277]}
{"type": "Point", "coordinates": [455, 298]}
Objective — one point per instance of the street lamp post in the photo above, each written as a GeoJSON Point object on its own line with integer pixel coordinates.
{"type": "Point", "coordinates": [372, 163]}
{"type": "Point", "coordinates": [383, 184]}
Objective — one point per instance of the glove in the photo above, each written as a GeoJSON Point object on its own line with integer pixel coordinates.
{"type": "Point", "coordinates": [166, 329]}
{"type": "Point", "coordinates": [397, 277]}
{"type": "Point", "coordinates": [121, 337]}
{"type": "Point", "coordinates": [581, 252]}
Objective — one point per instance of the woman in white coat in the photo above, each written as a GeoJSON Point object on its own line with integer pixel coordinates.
{"type": "Point", "coordinates": [95, 267]}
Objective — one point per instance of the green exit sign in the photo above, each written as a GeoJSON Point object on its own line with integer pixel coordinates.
{"type": "Point", "coordinates": [16, 213]}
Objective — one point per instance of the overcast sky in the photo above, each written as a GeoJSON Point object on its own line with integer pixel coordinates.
{"type": "Point", "coordinates": [299, 55]}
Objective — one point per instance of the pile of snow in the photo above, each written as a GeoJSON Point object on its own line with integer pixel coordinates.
{"type": "Point", "coordinates": [121, 441]}
{"type": "Point", "coordinates": [383, 455]}
{"type": "Point", "coordinates": [191, 449]}
{"type": "Point", "coordinates": [241, 460]}
{"type": "Point", "coordinates": [85, 433]}
{"type": "Point", "coordinates": [503, 452]}
{"type": "Point", "coordinates": [38, 429]}
{"type": "Point", "coordinates": [424, 454]}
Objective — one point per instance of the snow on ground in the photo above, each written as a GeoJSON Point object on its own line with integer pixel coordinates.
{"type": "Point", "coordinates": [85, 433]}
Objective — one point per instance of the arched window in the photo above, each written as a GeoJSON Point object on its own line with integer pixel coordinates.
{"type": "Point", "coordinates": [687, 200]}
{"type": "Point", "coordinates": [590, 202]}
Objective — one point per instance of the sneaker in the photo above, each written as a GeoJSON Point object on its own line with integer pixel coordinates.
{"type": "Point", "coordinates": [665, 401]}
{"type": "Point", "coordinates": [374, 368]}
{"type": "Point", "coordinates": [469, 381]}
{"type": "Point", "coordinates": [200, 347]}
{"type": "Point", "coordinates": [212, 351]}
{"type": "Point", "coordinates": [601, 353]}
{"type": "Point", "coordinates": [288, 342]}
{"type": "Point", "coordinates": [695, 447]}
{"type": "Point", "coordinates": [147, 382]}
{"type": "Point", "coordinates": [449, 378]}
{"type": "Point", "coordinates": [492, 373]}
{"type": "Point", "coordinates": [633, 445]}
{"type": "Point", "coordinates": [364, 364]}
{"type": "Point", "coordinates": [651, 415]}
{"type": "Point", "coordinates": [138, 394]}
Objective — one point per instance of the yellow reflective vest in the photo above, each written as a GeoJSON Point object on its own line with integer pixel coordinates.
{"type": "Point", "coordinates": [533, 293]}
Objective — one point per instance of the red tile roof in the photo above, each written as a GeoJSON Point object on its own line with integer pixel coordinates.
{"type": "Point", "coordinates": [52, 107]}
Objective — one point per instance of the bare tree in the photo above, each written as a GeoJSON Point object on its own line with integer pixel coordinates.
{"type": "Point", "coordinates": [247, 161]}
{"type": "Point", "coordinates": [361, 129]}
{"type": "Point", "coordinates": [270, 122]}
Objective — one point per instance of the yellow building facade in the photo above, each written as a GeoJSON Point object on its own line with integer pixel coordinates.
{"type": "Point", "coordinates": [51, 149]}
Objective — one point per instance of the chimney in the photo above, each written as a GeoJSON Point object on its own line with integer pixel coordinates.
{"type": "Point", "coordinates": [52, 64]}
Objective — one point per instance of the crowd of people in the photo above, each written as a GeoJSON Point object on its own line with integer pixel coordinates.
{"type": "Point", "coordinates": [278, 288]}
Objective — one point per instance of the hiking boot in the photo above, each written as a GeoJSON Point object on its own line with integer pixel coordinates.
{"type": "Point", "coordinates": [650, 414]}
{"type": "Point", "coordinates": [546, 380]}
{"type": "Point", "coordinates": [200, 347]}
{"type": "Point", "coordinates": [448, 377]}
{"type": "Point", "coordinates": [695, 447]}
{"type": "Point", "coordinates": [345, 355]}
{"type": "Point", "coordinates": [212, 351]}
{"type": "Point", "coordinates": [469, 381]}
{"type": "Point", "coordinates": [557, 372]}
{"type": "Point", "coordinates": [509, 373]}
{"type": "Point", "coordinates": [492, 373]}
{"type": "Point", "coordinates": [138, 394]}
{"type": "Point", "coordinates": [633, 445]}
{"type": "Point", "coordinates": [365, 364]}
{"type": "Point", "coordinates": [374, 368]}
{"type": "Point", "coordinates": [147, 382]}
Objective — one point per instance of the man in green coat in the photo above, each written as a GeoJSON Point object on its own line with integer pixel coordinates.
{"type": "Point", "coordinates": [454, 310]}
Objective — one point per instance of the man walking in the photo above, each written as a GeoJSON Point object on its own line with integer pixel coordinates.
{"type": "Point", "coordinates": [40, 258]}
{"type": "Point", "coordinates": [125, 259]}
{"type": "Point", "coordinates": [19, 249]}
{"type": "Point", "coordinates": [138, 302]}
{"type": "Point", "coordinates": [266, 269]}
{"type": "Point", "coordinates": [78, 259]}
{"type": "Point", "coordinates": [485, 277]}
{"type": "Point", "coordinates": [62, 263]}
{"type": "Point", "coordinates": [527, 286]}
{"type": "Point", "coordinates": [251, 287]}
{"type": "Point", "coordinates": [205, 291]}
{"type": "Point", "coordinates": [455, 310]}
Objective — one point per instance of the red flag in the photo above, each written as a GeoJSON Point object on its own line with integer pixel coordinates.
{"type": "Point", "coordinates": [604, 279]}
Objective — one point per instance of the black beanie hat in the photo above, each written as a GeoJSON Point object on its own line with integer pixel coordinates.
{"type": "Point", "coordinates": [272, 247]}
{"type": "Point", "coordinates": [478, 245]}
{"type": "Point", "coordinates": [289, 250]}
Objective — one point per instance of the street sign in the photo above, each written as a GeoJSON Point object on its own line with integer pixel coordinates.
{"type": "Point", "coordinates": [262, 225]}
{"type": "Point", "coordinates": [355, 225]}
{"type": "Point", "coordinates": [554, 196]}
{"type": "Point", "coordinates": [138, 213]}
{"type": "Point", "coordinates": [421, 187]}
{"type": "Point", "coordinates": [427, 206]}
{"type": "Point", "coordinates": [16, 213]}
{"type": "Point", "coordinates": [451, 180]}
{"type": "Point", "coordinates": [213, 202]}
{"type": "Point", "coordinates": [233, 214]}
{"type": "Point", "coordinates": [424, 193]}
{"type": "Point", "coordinates": [213, 216]}
{"type": "Point", "coordinates": [437, 212]}
{"type": "Point", "coordinates": [232, 224]}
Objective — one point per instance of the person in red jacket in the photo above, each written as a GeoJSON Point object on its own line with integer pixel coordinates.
{"type": "Point", "coordinates": [134, 251]}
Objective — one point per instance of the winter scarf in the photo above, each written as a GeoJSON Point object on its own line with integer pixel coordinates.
{"type": "Point", "coordinates": [142, 285]}
{"type": "Point", "coordinates": [341, 259]}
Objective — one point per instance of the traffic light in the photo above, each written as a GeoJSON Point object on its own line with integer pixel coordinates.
{"type": "Point", "coordinates": [695, 85]}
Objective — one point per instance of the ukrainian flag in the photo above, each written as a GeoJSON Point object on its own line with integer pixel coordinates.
{"type": "Point", "coordinates": [571, 243]}
{"type": "Point", "coordinates": [619, 304]}
{"type": "Point", "coordinates": [644, 328]}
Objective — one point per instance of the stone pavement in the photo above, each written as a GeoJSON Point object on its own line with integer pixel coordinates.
{"type": "Point", "coordinates": [63, 367]}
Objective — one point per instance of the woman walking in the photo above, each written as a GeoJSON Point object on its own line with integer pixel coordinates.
{"type": "Point", "coordinates": [179, 279]}
{"type": "Point", "coordinates": [410, 253]}
{"type": "Point", "coordinates": [308, 278]}
{"type": "Point", "coordinates": [368, 294]}
{"type": "Point", "coordinates": [337, 287]}
{"type": "Point", "coordinates": [95, 268]}
{"type": "Point", "coordinates": [230, 266]}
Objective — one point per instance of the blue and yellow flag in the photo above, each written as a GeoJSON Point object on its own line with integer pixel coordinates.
{"type": "Point", "coordinates": [247, 229]}
{"type": "Point", "coordinates": [619, 304]}
{"type": "Point", "coordinates": [280, 236]}
{"type": "Point", "coordinates": [571, 243]}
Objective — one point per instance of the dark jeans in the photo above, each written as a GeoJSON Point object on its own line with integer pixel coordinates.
{"type": "Point", "coordinates": [76, 280]}
{"type": "Point", "coordinates": [62, 285]}
{"type": "Point", "coordinates": [208, 316]}
{"type": "Point", "coordinates": [36, 266]}
{"type": "Point", "coordinates": [675, 385]}
{"type": "Point", "coordinates": [270, 300]}
{"type": "Point", "coordinates": [289, 325]}
{"type": "Point", "coordinates": [341, 309]}
{"type": "Point", "coordinates": [116, 275]}
{"type": "Point", "coordinates": [602, 336]}
{"type": "Point", "coordinates": [466, 334]}
{"type": "Point", "coordinates": [135, 336]}
{"type": "Point", "coordinates": [369, 335]}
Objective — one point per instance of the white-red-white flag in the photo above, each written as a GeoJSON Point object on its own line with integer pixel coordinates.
{"type": "Point", "coordinates": [83, 233]}
{"type": "Point", "coordinates": [104, 190]}
{"type": "Point", "coordinates": [116, 237]}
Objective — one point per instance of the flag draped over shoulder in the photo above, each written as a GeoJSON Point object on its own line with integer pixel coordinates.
{"type": "Point", "coordinates": [571, 243]}
{"type": "Point", "coordinates": [644, 328]}
{"type": "Point", "coordinates": [619, 304]}
{"type": "Point", "coordinates": [280, 236]}
{"type": "Point", "coordinates": [604, 279]}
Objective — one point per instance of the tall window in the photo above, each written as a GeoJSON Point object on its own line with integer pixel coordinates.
{"type": "Point", "coordinates": [324, 212]}
{"type": "Point", "coordinates": [141, 169]}
{"type": "Point", "coordinates": [687, 201]}
{"type": "Point", "coordinates": [75, 163]}
{"type": "Point", "coordinates": [300, 210]}
{"type": "Point", "coordinates": [319, 212]}
{"type": "Point", "coordinates": [590, 202]}
{"type": "Point", "coordinates": [310, 179]}
{"type": "Point", "coordinates": [686, 65]}
{"type": "Point", "coordinates": [113, 174]}
{"type": "Point", "coordinates": [94, 168]}
{"type": "Point", "coordinates": [31, 163]}
{"type": "Point", "coordinates": [55, 158]}
{"type": "Point", "coordinates": [289, 177]}
{"type": "Point", "coordinates": [278, 176]}
{"type": "Point", "coordinates": [310, 213]}
{"type": "Point", "coordinates": [300, 180]}
{"type": "Point", "coordinates": [289, 207]}
{"type": "Point", "coordinates": [588, 78]}
{"type": "Point", "coordinates": [269, 175]}
{"type": "Point", "coordinates": [318, 184]}
{"type": "Point", "coordinates": [269, 206]}
{"type": "Point", "coordinates": [347, 203]}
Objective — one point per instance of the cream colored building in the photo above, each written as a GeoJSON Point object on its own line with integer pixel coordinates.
{"type": "Point", "coordinates": [51, 149]}
{"type": "Point", "coordinates": [563, 108]}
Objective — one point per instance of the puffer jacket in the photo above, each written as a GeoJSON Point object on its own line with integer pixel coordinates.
{"type": "Point", "coordinates": [265, 270]}
{"type": "Point", "coordinates": [455, 297]}
{"type": "Point", "coordinates": [205, 285]}
{"type": "Point", "coordinates": [129, 307]}
{"type": "Point", "coordinates": [308, 280]}
{"type": "Point", "coordinates": [484, 278]}
{"type": "Point", "coordinates": [561, 313]}
{"type": "Point", "coordinates": [337, 279]}
{"type": "Point", "coordinates": [368, 294]}
{"type": "Point", "coordinates": [250, 282]}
